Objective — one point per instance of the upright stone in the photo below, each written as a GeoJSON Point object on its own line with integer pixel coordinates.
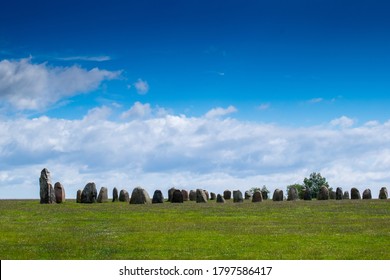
{"type": "Point", "coordinates": [237, 196]}
{"type": "Point", "coordinates": [177, 197]}
{"type": "Point", "coordinates": [207, 194]}
{"type": "Point", "coordinates": [323, 193]}
{"type": "Point", "coordinates": [383, 193]}
{"type": "Point", "coordinates": [185, 195]}
{"type": "Point", "coordinates": [332, 194]}
{"type": "Point", "coordinates": [158, 197]}
{"type": "Point", "coordinates": [170, 194]}
{"type": "Point", "coordinates": [247, 195]}
{"type": "Point", "coordinates": [278, 195]}
{"type": "Point", "coordinates": [124, 196]}
{"type": "Point", "coordinates": [46, 190]}
{"type": "Point", "coordinates": [213, 196]}
{"type": "Point", "coordinates": [115, 196]}
{"type": "Point", "coordinates": [78, 196]}
{"type": "Point", "coordinates": [264, 194]}
{"type": "Point", "coordinates": [339, 193]}
{"type": "Point", "coordinates": [292, 194]}
{"type": "Point", "coordinates": [257, 197]}
{"type": "Point", "coordinates": [367, 194]}
{"type": "Point", "coordinates": [59, 192]}
{"type": "Point", "coordinates": [227, 194]}
{"type": "Point", "coordinates": [89, 194]}
{"type": "Point", "coordinates": [192, 195]}
{"type": "Point", "coordinates": [307, 194]}
{"type": "Point", "coordinates": [140, 196]}
{"type": "Point", "coordinates": [200, 196]}
{"type": "Point", "coordinates": [220, 199]}
{"type": "Point", "coordinates": [346, 195]}
{"type": "Point", "coordinates": [103, 195]}
{"type": "Point", "coordinates": [355, 194]}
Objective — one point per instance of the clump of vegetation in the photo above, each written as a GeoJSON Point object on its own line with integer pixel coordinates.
{"type": "Point", "coordinates": [314, 183]}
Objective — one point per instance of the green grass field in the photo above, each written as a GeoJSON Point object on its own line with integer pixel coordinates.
{"type": "Point", "coordinates": [269, 230]}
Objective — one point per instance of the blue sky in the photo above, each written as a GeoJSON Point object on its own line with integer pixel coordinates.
{"type": "Point", "coordinates": [189, 68]}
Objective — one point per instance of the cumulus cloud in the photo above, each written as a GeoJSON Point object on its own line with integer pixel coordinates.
{"type": "Point", "coordinates": [342, 122]}
{"type": "Point", "coordinates": [138, 110]}
{"type": "Point", "coordinates": [28, 86]}
{"type": "Point", "coordinates": [141, 86]}
{"type": "Point", "coordinates": [219, 112]}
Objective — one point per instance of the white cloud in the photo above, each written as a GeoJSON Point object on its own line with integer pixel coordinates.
{"type": "Point", "coordinates": [141, 86]}
{"type": "Point", "coordinates": [219, 112]}
{"type": "Point", "coordinates": [138, 110]}
{"type": "Point", "coordinates": [86, 58]}
{"type": "Point", "coordinates": [316, 100]}
{"type": "Point", "coordinates": [28, 86]}
{"type": "Point", "coordinates": [264, 106]}
{"type": "Point", "coordinates": [342, 122]}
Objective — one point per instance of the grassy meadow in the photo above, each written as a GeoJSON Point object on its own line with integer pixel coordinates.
{"type": "Point", "coordinates": [338, 230]}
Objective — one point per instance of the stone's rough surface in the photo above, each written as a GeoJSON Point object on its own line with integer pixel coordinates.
{"type": "Point", "coordinates": [207, 194]}
{"type": "Point", "coordinates": [59, 192]}
{"type": "Point", "coordinates": [89, 194]}
{"type": "Point", "coordinates": [257, 197]}
{"type": "Point", "coordinates": [264, 194]}
{"type": "Point", "coordinates": [213, 196]}
{"type": "Point", "coordinates": [115, 196]}
{"type": "Point", "coordinates": [103, 195]}
{"type": "Point", "coordinates": [355, 194]}
{"type": "Point", "coordinates": [237, 196]}
{"type": "Point", "coordinates": [185, 195]}
{"type": "Point", "coordinates": [332, 195]}
{"type": "Point", "coordinates": [292, 194]}
{"type": "Point", "coordinates": [158, 197]}
{"type": "Point", "coordinates": [346, 195]}
{"type": "Point", "coordinates": [200, 196]}
{"type": "Point", "coordinates": [140, 196]}
{"type": "Point", "coordinates": [170, 194]}
{"type": "Point", "coordinates": [383, 193]}
{"type": "Point", "coordinates": [339, 193]}
{"type": "Point", "coordinates": [192, 195]}
{"type": "Point", "coordinates": [307, 194]}
{"type": "Point", "coordinates": [227, 194]}
{"type": "Point", "coordinates": [177, 197]}
{"type": "Point", "coordinates": [46, 190]}
{"type": "Point", "coordinates": [323, 193]}
{"type": "Point", "coordinates": [124, 196]}
{"type": "Point", "coordinates": [248, 195]}
{"type": "Point", "coordinates": [367, 194]}
{"type": "Point", "coordinates": [220, 199]}
{"type": "Point", "coordinates": [78, 196]}
{"type": "Point", "coordinates": [278, 195]}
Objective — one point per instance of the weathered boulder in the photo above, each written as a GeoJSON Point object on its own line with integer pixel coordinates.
{"type": "Point", "coordinates": [158, 197]}
{"type": "Point", "coordinates": [103, 195]}
{"type": "Point", "coordinates": [185, 195]}
{"type": "Point", "coordinates": [213, 196]}
{"type": "Point", "coordinates": [339, 193]}
{"type": "Point", "coordinates": [323, 193]}
{"type": "Point", "coordinates": [46, 190]}
{"type": "Point", "coordinates": [124, 196]}
{"type": "Point", "coordinates": [278, 195]}
{"type": "Point", "coordinates": [200, 196]}
{"type": "Point", "coordinates": [177, 197]}
{"type": "Point", "coordinates": [89, 194]}
{"type": "Point", "coordinates": [355, 194]}
{"type": "Point", "coordinates": [227, 194]}
{"type": "Point", "coordinates": [332, 194]}
{"type": "Point", "coordinates": [237, 196]}
{"type": "Point", "coordinates": [78, 196]}
{"type": "Point", "coordinates": [383, 193]}
{"type": "Point", "coordinates": [292, 194]}
{"type": "Point", "coordinates": [367, 194]}
{"type": "Point", "coordinates": [170, 194]}
{"type": "Point", "coordinates": [247, 195]}
{"type": "Point", "coordinates": [220, 199]}
{"type": "Point", "coordinates": [140, 196]}
{"type": "Point", "coordinates": [264, 194]}
{"type": "Point", "coordinates": [207, 194]}
{"type": "Point", "coordinates": [307, 194]}
{"type": "Point", "coordinates": [192, 195]}
{"type": "Point", "coordinates": [59, 192]}
{"type": "Point", "coordinates": [257, 197]}
{"type": "Point", "coordinates": [115, 196]}
{"type": "Point", "coordinates": [346, 195]}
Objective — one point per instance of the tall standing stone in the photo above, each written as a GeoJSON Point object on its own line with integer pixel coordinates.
{"type": "Point", "coordinates": [346, 195]}
{"type": "Point", "coordinates": [89, 194]}
{"type": "Point", "coordinates": [200, 196]}
{"type": "Point", "coordinates": [323, 193]}
{"type": "Point", "coordinates": [185, 195]}
{"type": "Point", "coordinates": [103, 195]}
{"type": "Point", "coordinates": [207, 194]}
{"type": "Point", "coordinates": [177, 197]}
{"type": "Point", "coordinates": [140, 196]}
{"type": "Point", "coordinates": [278, 195]}
{"type": "Point", "coordinates": [257, 197]}
{"type": "Point", "coordinates": [264, 194]}
{"type": "Point", "coordinates": [355, 194]}
{"type": "Point", "coordinates": [46, 190]}
{"type": "Point", "coordinates": [78, 196]}
{"type": "Point", "coordinates": [192, 195]}
{"type": "Point", "coordinates": [213, 196]}
{"type": "Point", "coordinates": [383, 193]}
{"type": "Point", "coordinates": [227, 194]}
{"type": "Point", "coordinates": [332, 194]}
{"type": "Point", "coordinates": [237, 196]}
{"type": "Point", "coordinates": [367, 194]}
{"type": "Point", "coordinates": [247, 195]}
{"type": "Point", "coordinates": [59, 192]}
{"type": "Point", "coordinates": [307, 194]}
{"type": "Point", "coordinates": [292, 194]}
{"type": "Point", "coordinates": [339, 193]}
{"type": "Point", "coordinates": [158, 197]}
{"type": "Point", "coordinates": [115, 196]}
{"type": "Point", "coordinates": [220, 199]}
{"type": "Point", "coordinates": [170, 194]}
{"type": "Point", "coordinates": [124, 196]}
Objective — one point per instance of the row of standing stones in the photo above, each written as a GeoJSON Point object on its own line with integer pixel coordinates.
{"type": "Point", "coordinates": [89, 194]}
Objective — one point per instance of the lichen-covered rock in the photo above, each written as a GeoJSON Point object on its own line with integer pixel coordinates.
{"type": "Point", "coordinates": [115, 196]}
{"type": "Point", "coordinates": [227, 194]}
{"type": "Point", "coordinates": [46, 191]}
{"type": "Point", "coordinates": [192, 195]}
{"type": "Point", "coordinates": [220, 199]}
{"type": "Point", "coordinates": [323, 193]}
{"type": "Point", "coordinates": [200, 196]}
{"type": "Point", "coordinates": [355, 194]}
{"type": "Point", "coordinates": [367, 194]}
{"type": "Point", "coordinates": [237, 196]}
{"type": "Point", "coordinates": [177, 197]}
{"type": "Point", "coordinates": [292, 194]}
{"type": "Point", "coordinates": [124, 196]}
{"type": "Point", "coordinates": [247, 195]}
{"type": "Point", "coordinates": [257, 197]}
{"type": "Point", "coordinates": [89, 194]}
{"type": "Point", "coordinates": [140, 196]}
{"type": "Point", "coordinates": [103, 195]}
{"type": "Point", "coordinates": [383, 193]}
{"type": "Point", "coordinates": [307, 194]}
{"type": "Point", "coordinates": [278, 195]}
{"type": "Point", "coordinates": [158, 197]}
{"type": "Point", "coordinates": [59, 192]}
{"type": "Point", "coordinates": [213, 196]}
{"type": "Point", "coordinates": [339, 193]}
{"type": "Point", "coordinates": [346, 195]}
{"type": "Point", "coordinates": [185, 195]}
{"type": "Point", "coordinates": [78, 196]}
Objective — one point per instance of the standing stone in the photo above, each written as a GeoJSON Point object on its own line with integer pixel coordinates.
{"type": "Point", "coordinates": [170, 194]}
{"type": "Point", "coordinates": [115, 196]}
{"type": "Point", "coordinates": [346, 195]}
{"type": "Point", "coordinates": [192, 195]}
{"type": "Point", "coordinates": [339, 193]}
{"type": "Point", "coordinates": [278, 195]}
{"type": "Point", "coordinates": [200, 196]}
{"type": "Point", "coordinates": [227, 194]}
{"type": "Point", "coordinates": [247, 195]}
{"type": "Point", "coordinates": [185, 195]}
{"type": "Point", "coordinates": [59, 192]}
{"type": "Point", "coordinates": [103, 195]}
{"type": "Point", "coordinates": [323, 193]}
{"type": "Point", "coordinates": [213, 196]}
{"type": "Point", "coordinates": [124, 196]}
{"type": "Point", "coordinates": [237, 196]}
{"type": "Point", "coordinates": [257, 197]}
{"type": "Point", "coordinates": [383, 193]}
{"type": "Point", "coordinates": [207, 194]}
{"type": "Point", "coordinates": [264, 194]}
{"type": "Point", "coordinates": [332, 194]}
{"type": "Point", "coordinates": [307, 194]}
{"type": "Point", "coordinates": [140, 196]}
{"type": "Point", "coordinates": [292, 194]}
{"type": "Point", "coordinates": [177, 197]}
{"type": "Point", "coordinates": [78, 196]}
{"type": "Point", "coordinates": [367, 194]}
{"type": "Point", "coordinates": [46, 190]}
{"type": "Point", "coordinates": [89, 193]}
{"type": "Point", "coordinates": [355, 194]}
{"type": "Point", "coordinates": [220, 199]}
{"type": "Point", "coordinates": [158, 197]}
